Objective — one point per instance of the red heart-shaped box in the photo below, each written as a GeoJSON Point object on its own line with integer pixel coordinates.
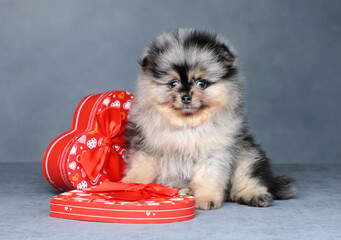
{"type": "Point", "coordinates": [102, 207]}
{"type": "Point", "coordinates": [61, 165]}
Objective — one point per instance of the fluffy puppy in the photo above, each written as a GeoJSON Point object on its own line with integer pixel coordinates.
{"type": "Point", "coordinates": [187, 126]}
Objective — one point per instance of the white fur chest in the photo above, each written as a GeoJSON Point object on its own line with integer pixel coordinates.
{"type": "Point", "coordinates": [192, 143]}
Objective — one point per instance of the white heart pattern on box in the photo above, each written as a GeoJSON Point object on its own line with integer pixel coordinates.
{"type": "Point", "coordinates": [82, 139]}
{"type": "Point", "coordinates": [116, 104]}
{"type": "Point", "coordinates": [83, 173]}
{"type": "Point", "coordinates": [73, 150]}
{"type": "Point", "coordinates": [82, 185]}
{"type": "Point", "coordinates": [72, 165]}
{"type": "Point", "coordinates": [66, 194]}
{"type": "Point", "coordinates": [127, 105]}
{"type": "Point", "coordinates": [92, 143]}
{"type": "Point", "coordinates": [106, 101]}
{"type": "Point", "coordinates": [100, 141]}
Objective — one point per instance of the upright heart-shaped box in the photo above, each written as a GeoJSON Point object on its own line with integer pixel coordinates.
{"type": "Point", "coordinates": [93, 150]}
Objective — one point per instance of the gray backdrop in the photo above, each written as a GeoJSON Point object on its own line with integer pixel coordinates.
{"type": "Point", "coordinates": [53, 53]}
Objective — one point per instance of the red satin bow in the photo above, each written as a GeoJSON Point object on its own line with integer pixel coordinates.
{"type": "Point", "coordinates": [134, 191]}
{"type": "Point", "coordinates": [104, 156]}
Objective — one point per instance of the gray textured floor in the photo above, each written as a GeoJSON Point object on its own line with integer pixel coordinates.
{"type": "Point", "coordinates": [314, 214]}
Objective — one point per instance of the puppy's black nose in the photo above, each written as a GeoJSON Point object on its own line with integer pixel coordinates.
{"type": "Point", "coordinates": [186, 99]}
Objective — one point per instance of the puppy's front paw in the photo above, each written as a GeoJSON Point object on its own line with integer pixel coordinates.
{"type": "Point", "coordinates": [207, 203]}
{"type": "Point", "coordinates": [207, 198]}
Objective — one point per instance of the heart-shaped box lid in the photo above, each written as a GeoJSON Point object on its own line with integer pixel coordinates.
{"type": "Point", "coordinates": [104, 207]}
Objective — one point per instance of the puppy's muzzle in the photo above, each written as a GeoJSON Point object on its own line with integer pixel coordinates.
{"type": "Point", "coordinates": [186, 99]}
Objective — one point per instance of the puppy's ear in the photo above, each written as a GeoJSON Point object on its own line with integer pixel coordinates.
{"type": "Point", "coordinates": [143, 63]}
{"type": "Point", "coordinates": [227, 55]}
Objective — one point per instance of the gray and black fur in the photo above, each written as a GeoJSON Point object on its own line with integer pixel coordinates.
{"type": "Point", "coordinates": [187, 127]}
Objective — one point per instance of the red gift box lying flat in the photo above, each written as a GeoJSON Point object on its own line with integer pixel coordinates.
{"type": "Point", "coordinates": [97, 133]}
{"type": "Point", "coordinates": [166, 205]}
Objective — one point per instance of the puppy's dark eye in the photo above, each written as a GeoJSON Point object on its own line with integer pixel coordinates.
{"type": "Point", "coordinates": [173, 84]}
{"type": "Point", "coordinates": [202, 84]}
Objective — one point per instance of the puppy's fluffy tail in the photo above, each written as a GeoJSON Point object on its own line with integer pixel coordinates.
{"type": "Point", "coordinates": [284, 187]}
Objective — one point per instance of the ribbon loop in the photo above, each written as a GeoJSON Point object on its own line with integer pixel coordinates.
{"type": "Point", "coordinates": [94, 160]}
{"type": "Point", "coordinates": [106, 142]}
{"type": "Point", "coordinates": [134, 191]}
